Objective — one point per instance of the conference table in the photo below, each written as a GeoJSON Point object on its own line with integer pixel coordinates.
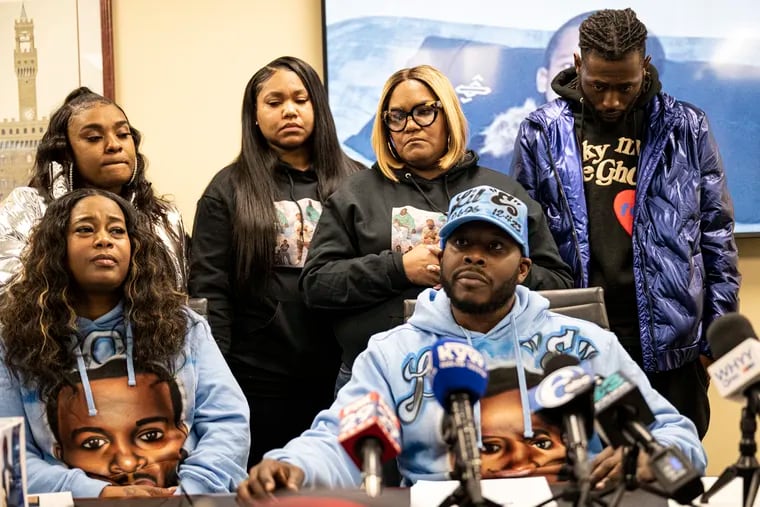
{"type": "Point", "coordinates": [390, 497]}
{"type": "Point", "coordinates": [730, 496]}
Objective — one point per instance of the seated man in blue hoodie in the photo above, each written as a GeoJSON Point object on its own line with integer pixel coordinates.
{"type": "Point", "coordinates": [485, 257]}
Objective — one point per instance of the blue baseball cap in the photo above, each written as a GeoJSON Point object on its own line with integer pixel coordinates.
{"type": "Point", "coordinates": [488, 204]}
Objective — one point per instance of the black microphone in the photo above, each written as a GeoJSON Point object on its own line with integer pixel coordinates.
{"type": "Point", "coordinates": [736, 370]}
{"type": "Point", "coordinates": [565, 398]}
{"type": "Point", "coordinates": [459, 380]}
{"type": "Point", "coordinates": [736, 376]}
{"type": "Point", "coordinates": [622, 417]}
{"type": "Point", "coordinates": [617, 402]}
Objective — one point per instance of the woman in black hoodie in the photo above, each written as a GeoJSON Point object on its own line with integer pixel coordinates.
{"type": "Point", "coordinates": [377, 241]}
{"type": "Point", "coordinates": [253, 226]}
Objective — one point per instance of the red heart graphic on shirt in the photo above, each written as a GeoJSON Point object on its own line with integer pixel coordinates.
{"type": "Point", "coordinates": [623, 205]}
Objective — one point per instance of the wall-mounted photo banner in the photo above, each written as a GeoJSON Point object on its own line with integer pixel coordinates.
{"type": "Point", "coordinates": [47, 49]}
{"type": "Point", "coordinates": [501, 57]}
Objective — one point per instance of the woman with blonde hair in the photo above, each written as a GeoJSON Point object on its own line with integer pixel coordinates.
{"type": "Point", "coordinates": [354, 267]}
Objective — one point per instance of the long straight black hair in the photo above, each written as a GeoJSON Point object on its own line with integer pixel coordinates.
{"type": "Point", "coordinates": [254, 225]}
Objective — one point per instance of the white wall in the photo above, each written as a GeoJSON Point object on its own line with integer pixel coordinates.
{"type": "Point", "coordinates": [181, 68]}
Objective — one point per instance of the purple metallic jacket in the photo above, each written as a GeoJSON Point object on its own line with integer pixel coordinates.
{"type": "Point", "coordinates": [684, 252]}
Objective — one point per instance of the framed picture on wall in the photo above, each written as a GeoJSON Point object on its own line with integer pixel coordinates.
{"type": "Point", "coordinates": [501, 57]}
{"type": "Point", "coordinates": [47, 49]}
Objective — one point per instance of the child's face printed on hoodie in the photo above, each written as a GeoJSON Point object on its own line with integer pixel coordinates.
{"type": "Point", "coordinates": [506, 452]}
{"type": "Point", "coordinates": [133, 439]}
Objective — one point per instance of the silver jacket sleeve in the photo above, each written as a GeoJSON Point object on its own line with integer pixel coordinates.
{"type": "Point", "coordinates": [19, 213]}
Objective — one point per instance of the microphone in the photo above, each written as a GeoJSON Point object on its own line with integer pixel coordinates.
{"type": "Point", "coordinates": [565, 398]}
{"type": "Point", "coordinates": [736, 370]}
{"type": "Point", "coordinates": [622, 417]}
{"type": "Point", "coordinates": [736, 375]}
{"type": "Point", "coordinates": [618, 401]}
{"type": "Point", "coordinates": [459, 380]}
{"type": "Point", "coordinates": [369, 432]}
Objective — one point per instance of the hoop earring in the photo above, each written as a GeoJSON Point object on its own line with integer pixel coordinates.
{"type": "Point", "coordinates": [134, 175]}
{"type": "Point", "coordinates": [60, 179]}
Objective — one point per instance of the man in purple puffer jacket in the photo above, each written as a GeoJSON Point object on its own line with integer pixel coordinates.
{"type": "Point", "coordinates": [635, 194]}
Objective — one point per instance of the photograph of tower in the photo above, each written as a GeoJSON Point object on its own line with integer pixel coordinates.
{"type": "Point", "coordinates": [47, 48]}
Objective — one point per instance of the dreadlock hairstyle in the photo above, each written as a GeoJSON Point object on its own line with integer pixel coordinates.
{"type": "Point", "coordinates": [254, 224]}
{"type": "Point", "coordinates": [613, 33]}
{"type": "Point", "coordinates": [55, 146]}
{"type": "Point", "coordinates": [37, 314]}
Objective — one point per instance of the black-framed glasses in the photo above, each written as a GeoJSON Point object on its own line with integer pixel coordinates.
{"type": "Point", "coordinates": [423, 115]}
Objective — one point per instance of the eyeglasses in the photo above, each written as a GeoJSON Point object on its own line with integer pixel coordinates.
{"type": "Point", "coordinates": [423, 115]}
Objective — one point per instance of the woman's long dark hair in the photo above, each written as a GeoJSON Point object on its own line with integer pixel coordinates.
{"type": "Point", "coordinates": [55, 146]}
{"type": "Point", "coordinates": [254, 224]}
{"type": "Point", "coordinates": [37, 310]}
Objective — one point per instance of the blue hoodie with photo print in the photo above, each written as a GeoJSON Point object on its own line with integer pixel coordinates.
{"type": "Point", "coordinates": [398, 363]}
{"type": "Point", "coordinates": [214, 413]}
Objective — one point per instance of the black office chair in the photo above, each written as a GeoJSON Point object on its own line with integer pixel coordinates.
{"type": "Point", "coordinates": [586, 304]}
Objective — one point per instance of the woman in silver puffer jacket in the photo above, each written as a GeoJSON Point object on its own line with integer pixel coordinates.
{"type": "Point", "coordinates": [88, 143]}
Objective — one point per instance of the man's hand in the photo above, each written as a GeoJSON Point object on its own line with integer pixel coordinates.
{"type": "Point", "coordinates": [608, 465]}
{"type": "Point", "coordinates": [422, 265]}
{"type": "Point", "coordinates": [135, 490]}
{"type": "Point", "coordinates": [264, 478]}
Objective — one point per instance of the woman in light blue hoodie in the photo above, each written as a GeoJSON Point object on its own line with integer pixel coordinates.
{"type": "Point", "coordinates": [123, 389]}
{"type": "Point", "coordinates": [485, 257]}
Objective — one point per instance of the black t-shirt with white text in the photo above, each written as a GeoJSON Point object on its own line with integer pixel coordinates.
{"type": "Point", "coordinates": [610, 159]}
